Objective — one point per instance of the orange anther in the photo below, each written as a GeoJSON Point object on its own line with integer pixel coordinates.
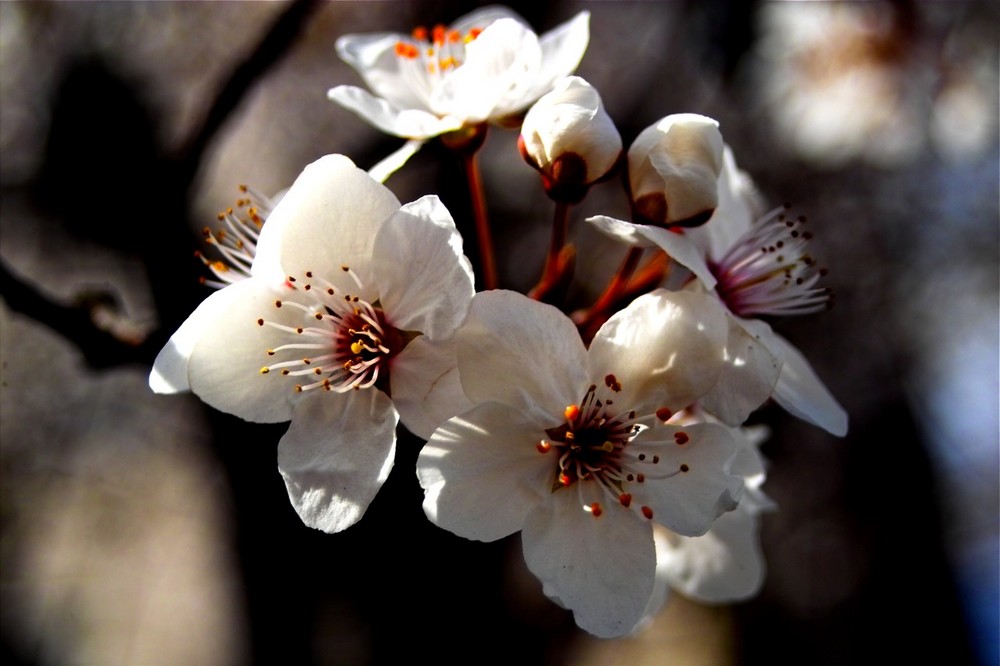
{"type": "Point", "coordinates": [420, 33]}
{"type": "Point", "coordinates": [439, 33]}
{"type": "Point", "coordinates": [596, 510]}
{"type": "Point", "coordinates": [572, 412]}
{"type": "Point", "coordinates": [646, 511]}
{"type": "Point", "coordinates": [453, 36]}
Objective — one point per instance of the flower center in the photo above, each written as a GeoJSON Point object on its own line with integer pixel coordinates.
{"type": "Point", "coordinates": [769, 271]}
{"type": "Point", "coordinates": [437, 50]}
{"type": "Point", "coordinates": [596, 444]}
{"type": "Point", "coordinates": [346, 346]}
{"type": "Point", "coordinates": [236, 239]}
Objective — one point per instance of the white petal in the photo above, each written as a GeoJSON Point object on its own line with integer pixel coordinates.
{"type": "Point", "coordinates": [425, 386]}
{"type": "Point", "coordinates": [722, 566]}
{"type": "Point", "coordinates": [563, 48]}
{"type": "Point", "coordinates": [395, 161]}
{"type": "Point", "coordinates": [224, 365]}
{"type": "Point", "coordinates": [620, 230]}
{"type": "Point", "coordinates": [666, 349]}
{"type": "Point", "coordinates": [373, 56]}
{"type": "Point", "coordinates": [748, 378]}
{"type": "Point", "coordinates": [170, 369]}
{"type": "Point", "coordinates": [336, 455]}
{"type": "Point", "coordinates": [682, 250]}
{"type": "Point", "coordinates": [481, 18]}
{"type": "Point", "coordinates": [329, 218]}
{"type": "Point", "coordinates": [410, 123]}
{"type": "Point", "coordinates": [522, 353]}
{"type": "Point", "coordinates": [600, 567]}
{"type": "Point", "coordinates": [425, 282]}
{"type": "Point", "coordinates": [482, 474]}
{"type": "Point", "coordinates": [799, 391]}
{"type": "Point", "coordinates": [571, 119]}
{"type": "Point", "coordinates": [500, 66]}
{"type": "Point", "coordinates": [677, 161]}
{"type": "Point", "coordinates": [678, 245]}
{"type": "Point", "coordinates": [690, 485]}
{"type": "Point", "coordinates": [738, 208]}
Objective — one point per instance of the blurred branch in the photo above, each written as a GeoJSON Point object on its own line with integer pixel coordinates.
{"type": "Point", "coordinates": [271, 48]}
{"type": "Point", "coordinates": [76, 323]}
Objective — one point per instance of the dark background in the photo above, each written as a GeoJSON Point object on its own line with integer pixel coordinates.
{"type": "Point", "coordinates": [142, 529]}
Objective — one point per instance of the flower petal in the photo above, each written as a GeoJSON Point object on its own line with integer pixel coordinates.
{"type": "Point", "coordinates": [395, 160]}
{"type": "Point", "coordinates": [481, 18]}
{"type": "Point", "coordinates": [602, 568]}
{"type": "Point", "coordinates": [373, 57]}
{"type": "Point", "coordinates": [620, 230]}
{"type": "Point", "coordinates": [799, 390]}
{"type": "Point", "coordinates": [410, 123]}
{"type": "Point", "coordinates": [336, 455]}
{"type": "Point", "coordinates": [501, 65]}
{"type": "Point", "coordinates": [665, 349]}
{"type": "Point", "coordinates": [482, 474]}
{"type": "Point", "coordinates": [739, 206]}
{"type": "Point", "coordinates": [722, 566]}
{"type": "Point", "coordinates": [748, 378]}
{"type": "Point", "coordinates": [692, 485]}
{"type": "Point", "coordinates": [677, 245]}
{"type": "Point", "coordinates": [562, 50]}
{"type": "Point", "coordinates": [329, 218]}
{"type": "Point", "coordinates": [522, 353]}
{"type": "Point", "coordinates": [426, 389]}
{"type": "Point", "coordinates": [170, 369]}
{"type": "Point", "coordinates": [224, 364]}
{"type": "Point", "coordinates": [425, 282]}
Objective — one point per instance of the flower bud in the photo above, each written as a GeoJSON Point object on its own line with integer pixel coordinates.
{"type": "Point", "coordinates": [569, 137]}
{"type": "Point", "coordinates": [673, 170]}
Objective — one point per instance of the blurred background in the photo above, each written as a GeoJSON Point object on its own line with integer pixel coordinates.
{"type": "Point", "coordinates": [144, 529]}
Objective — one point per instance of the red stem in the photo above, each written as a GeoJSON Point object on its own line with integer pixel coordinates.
{"type": "Point", "coordinates": [488, 263]}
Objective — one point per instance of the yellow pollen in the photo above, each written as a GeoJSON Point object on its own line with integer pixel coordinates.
{"type": "Point", "coordinates": [356, 347]}
{"type": "Point", "coordinates": [265, 370]}
{"type": "Point", "coordinates": [608, 447]}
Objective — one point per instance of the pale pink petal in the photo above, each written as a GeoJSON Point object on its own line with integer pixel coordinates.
{"type": "Point", "coordinates": [406, 122]}
{"type": "Point", "coordinates": [424, 281]}
{"type": "Point", "coordinates": [329, 218]}
{"type": "Point", "coordinates": [482, 474]}
{"type": "Point", "coordinates": [224, 365]}
{"type": "Point", "coordinates": [666, 349]}
{"type": "Point", "coordinates": [600, 566]}
{"type": "Point", "coordinates": [426, 389]}
{"type": "Point", "coordinates": [522, 353]}
{"type": "Point", "coordinates": [748, 378]}
{"type": "Point", "coordinates": [799, 390]}
{"type": "Point", "coordinates": [336, 455]}
{"type": "Point", "coordinates": [690, 485]}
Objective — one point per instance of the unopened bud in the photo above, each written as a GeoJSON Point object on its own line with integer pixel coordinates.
{"type": "Point", "coordinates": [569, 137]}
{"type": "Point", "coordinates": [673, 169]}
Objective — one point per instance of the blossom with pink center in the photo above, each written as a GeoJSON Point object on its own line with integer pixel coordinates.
{"type": "Point", "coordinates": [347, 293]}
{"type": "Point", "coordinates": [757, 265]}
{"type": "Point", "coordinates": [572, 446]}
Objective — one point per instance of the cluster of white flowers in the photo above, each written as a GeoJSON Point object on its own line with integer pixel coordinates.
{"type": "Point", "coordinates": [611, 438]}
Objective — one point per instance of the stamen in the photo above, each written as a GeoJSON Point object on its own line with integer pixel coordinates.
{"type": "Point", "coordinates": [769, 271]}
